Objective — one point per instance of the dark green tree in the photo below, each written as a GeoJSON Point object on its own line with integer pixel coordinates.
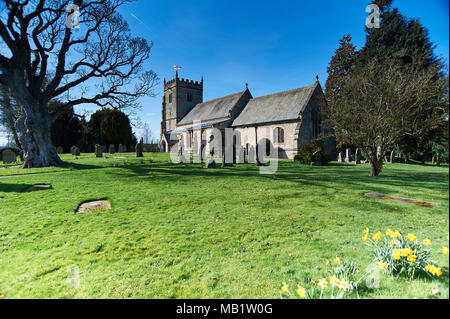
{"type": "Point", "coordinates": [115, 128]}
{"type": "Point", "coordinates": [66, 130]}
{"type": "Point", "coordinates": [340, 66]}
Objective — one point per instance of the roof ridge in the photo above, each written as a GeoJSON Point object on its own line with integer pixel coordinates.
{"type": "Point", "coordinates": [287, 91]}
{"type": "Point", "coordinates": [218, 98]}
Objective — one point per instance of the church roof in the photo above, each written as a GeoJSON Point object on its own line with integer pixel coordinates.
{"type": "Point", "coordinates": [211, 110]}
{"type": "Point", "coordinates": [282, 106]}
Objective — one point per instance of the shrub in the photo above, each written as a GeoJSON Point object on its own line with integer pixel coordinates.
{"type": "Point", "coordinates": [313, 151]}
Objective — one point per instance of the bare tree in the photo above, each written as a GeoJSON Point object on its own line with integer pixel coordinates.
{"type": "Point", "coordinates": [47, 55]}
{"type": "Point", "coordinates": [147, 134]}
{"type": "Point", "coordinates": [382, 104]}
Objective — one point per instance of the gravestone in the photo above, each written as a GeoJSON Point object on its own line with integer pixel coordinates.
{"type": "Point", "coordinates": [98, 151]}
{"type": "Point", "coordinates": [348, 155]}
{"type": "Point", "coordinates": [72, 150]}
{"type": "Point", "coordinates": [93, 206]}
{"type": "Point", "coordinates": [251, 155]}
{"type": "Point", "coordinates": [241, 158]}
{"type": "Point", "coordinates": [140, 148]}
{"type": "Point", "coordinates": [392, 159]}
{"type": "Point", "coordinates": [104, 149]}
{"type": "Point", "coordinates": [340, 157]}
{"type": "Point", "coordinates": [358, 156]}
{"type": "Point", "coordinates": [77, 151]}
{"type": "Point", "coordinates": [132, 149]}
{"type": "Point", "coordinates": [122, 148]}
{"type": "Point", "coordinates": [60, 150]}
{"type": "Point", "coordinates": [210, 164]}
{"type": "Point", "coordinates": [112, 149]}
{"type": "Point", "coordinates": [8, 157]}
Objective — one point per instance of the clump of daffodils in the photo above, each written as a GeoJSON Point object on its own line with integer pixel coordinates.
{"type": "Point", "coordinates": [339, 284]}
{"type": "Point", "coordinates": [400, 254]}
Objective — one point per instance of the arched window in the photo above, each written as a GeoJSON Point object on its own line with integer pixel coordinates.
{"type": "Point", "coordinates": [278, 135]}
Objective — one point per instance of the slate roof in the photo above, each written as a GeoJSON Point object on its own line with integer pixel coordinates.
{"type": "Point", "coordinates": [196, 126]}
{"type": "Point", "coordinates": [211, 110]}
{"type": "Point", "coordinates": [276, 107]}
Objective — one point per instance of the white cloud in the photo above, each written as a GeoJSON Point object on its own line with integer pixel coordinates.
{"type": "Point", "coordinates": [150, 114]}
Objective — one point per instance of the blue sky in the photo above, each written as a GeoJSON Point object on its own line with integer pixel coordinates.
{"type": "Point", "coordinates": [274, 46]}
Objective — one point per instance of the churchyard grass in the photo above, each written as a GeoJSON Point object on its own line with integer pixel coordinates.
{"type": "Point", "coordinates": [180, 231]}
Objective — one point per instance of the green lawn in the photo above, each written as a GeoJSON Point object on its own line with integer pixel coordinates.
{"type": "Point", "coordinates": [179, 231]}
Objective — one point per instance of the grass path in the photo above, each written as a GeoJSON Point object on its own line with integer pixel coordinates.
{"type": "Point", "coordinates": [179, 231]}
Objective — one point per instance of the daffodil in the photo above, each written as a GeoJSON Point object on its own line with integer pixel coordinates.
{"type": "Point", "coordinates": [337, 260]}
{"type": "Point", "coordinates": [334, 281]}
{"type": "Point", "coordinates": [396, 253]}
{"type": "Point", "coordinates": [285, 287]}
{"type": "Point", "coordinates": [365, 238]}
{"type": "Point", "coordinates": [343, 285]}
{"type": "Point", "coordinates": [322, 283]}
{"type": "Point", "coordinates": [412, 258]}
{"type": "Point", "coordinates": [381, 264]}
{"type": "Point", "coordinates": [431, 269]}
{"type": "Point", "coordinates": [301, 292]}
{"type": "Point", "coordinates": [427, 242]}
{"type": "Point", "coordinates": [411, 237]}
{"type": "Point", "coordinates": [377, 236]}
{"type": "Point", "coordinates": [404, 252]}
{"type": "Point", "coordinates": [438, 272]}
{"type": "Point", "coordinates": [327, 262]}
{"type": "Point", "coordinates": [366, 231]}
{"type": "Point", "coordinates": [445, 250]}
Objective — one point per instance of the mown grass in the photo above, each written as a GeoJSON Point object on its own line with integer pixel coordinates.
{"type": "Point", "coordinates": [179, 231]}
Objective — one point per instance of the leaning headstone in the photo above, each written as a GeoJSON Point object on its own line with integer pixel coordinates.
{"type": "Point", "coordinates": [72, 150]}
{"type": "Point", "coordinates": [77, 151]}
{"type": "Point", "coordinates": [112, 149]}
{"type": "Point", "coordinates": [340, 157]}
{"type": "Point", "coordinates": [358, 156]}
{"type": "Point", "coordinates": [60, 150]}
{"type": "Point", "coordinates": [140, 148]}
{"type": "Point", "coordinates": [98, 151]}
{"type": "Point", "coordinates": [8, 157]}
{"type": "Point", "coordinates": [348, 155]}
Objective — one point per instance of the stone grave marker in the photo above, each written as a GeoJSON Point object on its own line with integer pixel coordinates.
{"type": "Point", "coordinates": [8, 157]}
{"type": "Point", "coordinates": [98, 151]}
{"type": "Point", "coordinates": [358, 156]}
{"type": "Point", "coordinates": [60, 150]}
{"type": "Point", "coordinates": [112, 149]}
{"type": "Point", "coordinates": [340, 157]}
{"type": "Point", "coordinates": [348, 155]}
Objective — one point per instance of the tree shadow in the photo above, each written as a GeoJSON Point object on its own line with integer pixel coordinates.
{"type": "Point", "coordinates": [14, 188]}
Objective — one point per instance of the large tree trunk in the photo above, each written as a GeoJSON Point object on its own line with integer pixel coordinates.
{"type": "Point", "coordinates": [34, 134]}
{"type": "Point", "coordinates": [376, 166]}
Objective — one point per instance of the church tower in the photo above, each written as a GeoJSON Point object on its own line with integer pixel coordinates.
{"type": "Point", "coordinates": [180, 96]}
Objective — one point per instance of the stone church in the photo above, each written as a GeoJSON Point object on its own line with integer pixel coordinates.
{"type": "Point", "coordinates": [284, 121]}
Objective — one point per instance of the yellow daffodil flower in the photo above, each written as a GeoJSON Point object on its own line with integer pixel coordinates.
{"type": "Point", "coordinates": [366, 231]}
{"type": "Point", "coordinates": [334, 281]}
{"type": "Point", "coordinates": [382, 265]}
{"type": "Point", "coordinates": [377, 236]}
{"type": "Point", "coordinates": [445, 250]}
{"type": "Point", "coordinates": [365, 238]}
{"type": "Point", "coordinates": [427, 242]}
{"type": "Point", "coordinates": [301, 292]}
{"type": "Point", "coordinates": [337, 260]}
{"type": "Point", "coordinates": [411, 237]}
{"type": "Point", "coordinates": [396, 253]}
{"type": "Point", "coordinates": [285, 287]}
{"type": "Point", "coordinates": [322, 283]}
{"type": "Point", "coordinates": [412, 258]}
{"type": "Point", "coordinates": [343, 285]}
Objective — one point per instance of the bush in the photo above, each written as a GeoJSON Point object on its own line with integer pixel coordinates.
{"type": "Point", "coordinates": [313, 151]}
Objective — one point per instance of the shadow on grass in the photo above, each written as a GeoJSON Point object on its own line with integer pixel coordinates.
{"type": "Point", "coordinates": [14, 188]}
